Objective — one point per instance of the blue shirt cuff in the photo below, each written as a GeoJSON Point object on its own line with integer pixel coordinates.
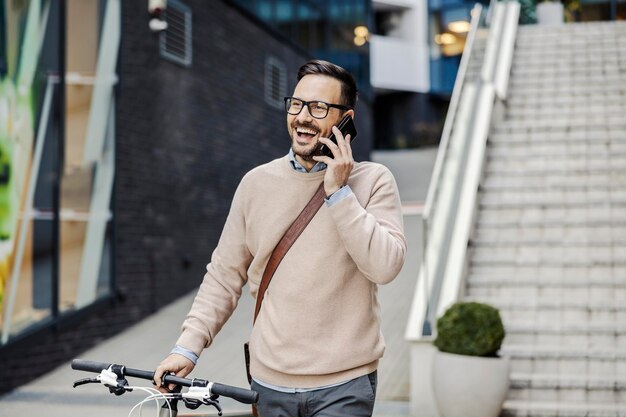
{"type": "Point", "coordinates": [338, 195]}
{"type": "Point", "coordinates": [186, 353]}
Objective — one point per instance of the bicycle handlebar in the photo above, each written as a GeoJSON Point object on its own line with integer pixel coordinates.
{"type": "Point", "coordinates": [242, 395]}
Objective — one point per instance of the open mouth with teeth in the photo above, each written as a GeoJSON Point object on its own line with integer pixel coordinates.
{"type": "Point", "coordinates": [305, 134]}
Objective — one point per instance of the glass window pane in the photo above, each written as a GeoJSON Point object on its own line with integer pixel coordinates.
{"type": "Point", "coordinates": [33, 292]}
{"type": "Point", "coordinates": [86, 181]}
{"type": "Point", "coordinates": [25, 283]}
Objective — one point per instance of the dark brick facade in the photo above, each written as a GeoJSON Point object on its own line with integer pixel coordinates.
{"type": "Point", "coordinates": [185, 137]}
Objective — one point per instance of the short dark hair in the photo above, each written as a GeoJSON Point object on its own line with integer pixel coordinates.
{"type": "Point", "coordinates": [349, 91]}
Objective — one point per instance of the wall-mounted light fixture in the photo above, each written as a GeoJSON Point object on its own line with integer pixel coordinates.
{"type": "Point", "coordinates": [155, 10]}
{"type": "Point", "coordinates": [361, 35]}
{"type": "Point", "coordinates": [445, 39]}
{"type": "Point", "coordinates": [459, 26]}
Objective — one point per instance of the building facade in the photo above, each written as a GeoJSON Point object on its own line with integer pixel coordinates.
{"type": "Point", "coordinates": [120, 150]}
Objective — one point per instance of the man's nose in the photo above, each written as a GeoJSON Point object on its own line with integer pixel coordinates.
{"type": "Point", "coordinates": [304, 114]}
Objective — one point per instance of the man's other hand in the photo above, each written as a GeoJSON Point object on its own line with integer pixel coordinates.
{"type": "Point", "coordinates": [176, 364]}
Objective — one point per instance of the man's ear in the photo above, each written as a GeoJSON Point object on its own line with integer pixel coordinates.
{"type": "Point", "coordinates": [350, 112]}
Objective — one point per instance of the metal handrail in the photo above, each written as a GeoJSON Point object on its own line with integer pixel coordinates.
{"type": "Point", "coordinates": [452, 109]}
{"type": "Point", "coordinates": [443, 148]}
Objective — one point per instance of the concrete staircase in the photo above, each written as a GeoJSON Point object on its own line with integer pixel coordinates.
{"type": "Point", "coordinates": [549, 244]}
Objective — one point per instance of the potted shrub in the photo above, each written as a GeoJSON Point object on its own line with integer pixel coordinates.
{"type": "Point", "coordinates": [469, 378]}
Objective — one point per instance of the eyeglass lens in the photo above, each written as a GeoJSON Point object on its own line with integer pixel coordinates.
{"type": "Point", "coordinates": [317, 109]}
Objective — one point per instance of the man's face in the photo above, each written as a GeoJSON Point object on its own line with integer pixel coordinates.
{"type": "Point", "coordinates": [304, 129]}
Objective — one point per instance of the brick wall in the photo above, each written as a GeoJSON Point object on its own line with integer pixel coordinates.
{"type": "Point", "coordinates": [185, 137]}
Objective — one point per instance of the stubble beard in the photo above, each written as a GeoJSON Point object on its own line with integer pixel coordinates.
{"type": "Point", "coordinates": [308, 153]}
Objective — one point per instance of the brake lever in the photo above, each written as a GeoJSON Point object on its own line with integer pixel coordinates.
{"type": "Point", "coordinates": [215, 403]}
{"type": "Point", "coordinates": [85, 381]}
{"type": "Point", "coordinates": [192, 404]}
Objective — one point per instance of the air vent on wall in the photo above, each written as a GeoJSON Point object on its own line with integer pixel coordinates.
{"type": "Point", "coordinates": [175, 41]}
{"type": "Point", "coordinates": [275, 82]}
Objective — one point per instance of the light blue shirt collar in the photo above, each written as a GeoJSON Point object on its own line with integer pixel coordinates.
{"type": "Point", "coordinates": [298, 166]}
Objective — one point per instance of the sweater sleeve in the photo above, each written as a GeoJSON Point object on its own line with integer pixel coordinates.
{"type": "Point", "coordinates": [222, 285]}
{"type": "Point", "coordinates": [374, 235]}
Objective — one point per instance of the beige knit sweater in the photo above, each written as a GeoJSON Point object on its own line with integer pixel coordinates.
{"type": "Point", "coordinates": [320, 319]}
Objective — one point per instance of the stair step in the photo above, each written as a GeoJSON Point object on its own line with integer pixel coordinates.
{"type": "Point", "coordinates": [604, 286]}
{"type": "Point", "coordinates": [535, 182]}
{"type": "Point", "coordinates": [533, 55]}
{"type": "Point", "coordinates": [528, 56]}
{"type": "Point", "coordinates": [547, 254]}
{"type": "Point", "coordinates": [578, 334]}
{"type": "Point", "coordinates": [550, 216]}
{"type": "Point", "coordinates": [491, 237]}
{"type": "Point", "coordinates": [563, 318]}
{"type": "Point", "coordinates": [549, 303]}
{"type": "Point", "coordinates": [573, 388]}
{"type": "Point", "coordinates": [531, 63]}
{"type": "Point", "coordinates": [579, 328]}
{"type": "Point", "coordinates": [550, 297]}
{"type": "Point", "coordinates": [565, 353]}
{"type": "Point", "coordinates": [532, 113]}
{"type": "Point", "coordinates": [553, 197]}
{"type": "Point", "coordinates": [561, 156]}
{"type": "Point", "coordinates": [592, 121]}
{"type": "Point", "coordinates": [590, 329]}
{"type": "Point", "coordinates": [565, 42]}
{"type": "Point", "coordinates": [596, 89]}
{"type": "Point", "coordinates": [540, 69]}
{"type": "Point", "coordinates": [546, 275]}
{"type": "Point", "coordinates": [524, 380]}
{"type": "Point", "coordinates": [572, 83]}
{"type": "Point", "coordinates": [561, 136]}
{"type": "Point", "coordinates": [518, 237]}
{"type": "Point", "coordinates": [575, 149]}
{"type": "Point", "coordinates": [549, 104]}
{"type": "Point", "coordinates": [598, 50]}
{"type": "Point", "coordinates": [561, 360]}
{"type": "Point", "coordinates": [561, 409]}
{"type": "Point", "coordinates": [573, 166]}
{"type": "Point", "coordinates": [543, 108]}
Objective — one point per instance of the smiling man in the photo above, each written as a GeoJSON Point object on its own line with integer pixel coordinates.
{"type": "Point", "coordinates": [316, 343]}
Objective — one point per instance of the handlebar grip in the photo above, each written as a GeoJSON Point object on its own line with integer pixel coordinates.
{"type": "Point", "coordinates": [89, 366]}
{"type": "Point", "coordinates": [242, 395]}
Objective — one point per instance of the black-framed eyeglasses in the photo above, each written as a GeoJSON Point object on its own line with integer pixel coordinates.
{"type": "Point", "coordinates": [317, 109]}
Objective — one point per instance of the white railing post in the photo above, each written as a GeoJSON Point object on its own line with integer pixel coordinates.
{"type": "Point", "coordinates": [507, 47]}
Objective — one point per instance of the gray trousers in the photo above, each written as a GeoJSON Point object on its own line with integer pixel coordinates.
{"type": "Point", "coordinates": [353, 399]}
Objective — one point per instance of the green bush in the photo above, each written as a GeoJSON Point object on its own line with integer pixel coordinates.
{"type": "Point", "coordinates": [469, 328]}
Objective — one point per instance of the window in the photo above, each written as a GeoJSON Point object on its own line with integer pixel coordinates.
{"type": "Point", "coordinates": [275, 82]}
{"type": "Point", "coordinates": [55, 204]}
{"type": "Point", "coordinates": [175, 42]}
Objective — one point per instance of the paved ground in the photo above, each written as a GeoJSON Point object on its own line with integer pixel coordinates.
{"type": "Point", "coordinates": [145, 344]}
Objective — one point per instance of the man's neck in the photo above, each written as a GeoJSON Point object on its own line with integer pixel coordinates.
{"type": "Point", "coordinates": [308, 165]}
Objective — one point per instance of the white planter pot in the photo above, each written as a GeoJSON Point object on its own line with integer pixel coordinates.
{"type": "Point", "coordinates": [469, 386]}
{"type": "Point", "coordinates": [550, 13]}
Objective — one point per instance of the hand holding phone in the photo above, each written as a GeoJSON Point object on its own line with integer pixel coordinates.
{"type": "Point", "coordinates": [346, 127]}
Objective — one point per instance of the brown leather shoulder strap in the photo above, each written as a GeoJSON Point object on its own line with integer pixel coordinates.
{"type": "Point", "coordinates": [283, 245]}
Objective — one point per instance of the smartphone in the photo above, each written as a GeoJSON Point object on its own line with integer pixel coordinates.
{"type": "Point", "coordinates": [346, 127]}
